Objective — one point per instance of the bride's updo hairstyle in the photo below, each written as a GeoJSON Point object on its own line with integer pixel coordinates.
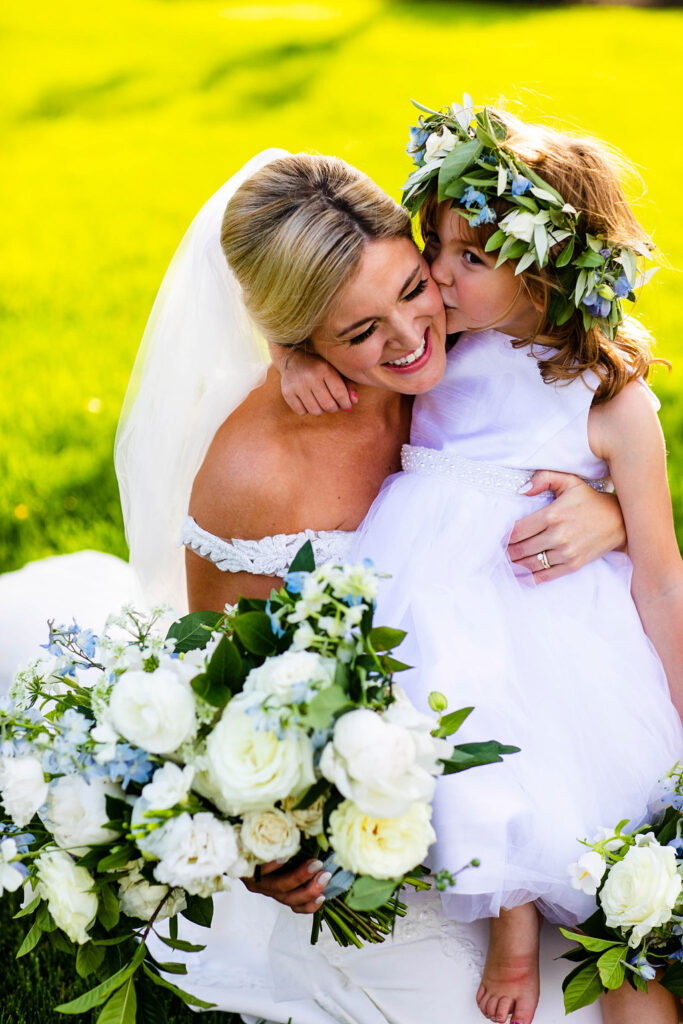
{"type": "Point", "coordinates": [294, 235]}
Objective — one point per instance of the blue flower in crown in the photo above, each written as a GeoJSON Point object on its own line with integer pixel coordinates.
{"type": "Point", "coordinates": [621, 287]}
{"type": "Point", "coordinates": [519, 184]}
{"type": "Point", "coordinates": [485, 216]}
{"type": "Point", "coordinates": [472, 196]}
{"type": "Point", "coordinates": [596, 305]}
{"type": "Point", "coordinates": [417, 143]}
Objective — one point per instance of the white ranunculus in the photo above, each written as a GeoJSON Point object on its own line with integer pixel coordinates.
{"type": "Point", "coordinates": [519, 224]}
{"type": "Point", "coordinates": [169, 786]}
{"type": "Point", "coordinates": [586, 874]}
{"type": "Point", "coordinates": [139, 898]}
{"type": "Point", "coordinates": [153, 710]}
{"type": "Point", "coordinates": [429, 750]}
{"type": "Point", "coordinates": [68, 891]}
{"type": "Point", "coordinates": [641, 890]}
{"type": "Point", "coordinates": [309, 820]}
{"type": "Point", "coordinates": [270, 835]}
{"type": "Point", "coordinates": [250, 768]}
{"type": "Point", "coordinates": [196, 853]}
{"type": "Point", "coordinates": [279, 677]}
{"type": "Point", "coordinates": [23, 787]}
{"type": "Point", "coordinates": [381, 847]}
{"type": "Point", "coordinates": [76, 812]}
{"type": "Point", "coordinates": [375, 763]}
{"type": "Point", "coordinates": [439, 143]}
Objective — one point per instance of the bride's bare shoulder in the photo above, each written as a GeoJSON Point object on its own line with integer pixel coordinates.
{"type": "Point", "coordinates": [244, 485]}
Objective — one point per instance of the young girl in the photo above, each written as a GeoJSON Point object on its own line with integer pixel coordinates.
{"type": "Point", "coordinates": [533, 246]}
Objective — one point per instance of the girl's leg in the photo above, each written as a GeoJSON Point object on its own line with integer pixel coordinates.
{"type": "Point", "coordinates": [509, 984]}
{"type": "Point", "coordinates": [626, 1006]}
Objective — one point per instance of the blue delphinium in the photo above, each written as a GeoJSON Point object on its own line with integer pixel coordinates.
{"type": "Point", "coordinates": [485, 216]}
{"type": "Point", "coordinates": [274, 621]}
{"type": "Point", "coordinates": [621, 287]}
{"type": "Point", "coordinates": [471, 197]}
{"type": "Point", "coordinates": [129, 764]}
{"type": "Point", "coordinates": [596, 305]}
{"type": "Point", "coordinates": [294, 582]}
{"type": "Point", "coordinates": [519, 185]}
{"type": "Point", "coordinates": [417, 143]}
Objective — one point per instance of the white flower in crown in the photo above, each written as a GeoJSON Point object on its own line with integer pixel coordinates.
{"type": "Point", "coordinates": [518, 223]}
{"type": "Point", "coordinates": [463, 114]}
{"type": "Point", "coordinates": [439, 143]}
{"type": "Point", "coordinates": [586, 874]}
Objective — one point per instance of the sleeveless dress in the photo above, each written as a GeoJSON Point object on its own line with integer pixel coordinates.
{"type": "Point", "coordinates": [564, 670]}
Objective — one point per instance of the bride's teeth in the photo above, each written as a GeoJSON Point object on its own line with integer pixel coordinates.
{"type": "Point", "coordinates": [407, 360]}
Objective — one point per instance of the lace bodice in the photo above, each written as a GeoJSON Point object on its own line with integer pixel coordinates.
{"type": "Point", "coordinates": [268, 556]}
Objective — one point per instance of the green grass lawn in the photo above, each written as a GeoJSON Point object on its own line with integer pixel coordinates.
{"type": "Point", "coordinates": [119, 120]}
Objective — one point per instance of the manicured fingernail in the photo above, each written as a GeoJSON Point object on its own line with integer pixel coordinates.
{"type": "Point", "coordinates": [314, 866]}
{"type": "Point", "coordinates": [524, 489]}
{"type": "Point", "coordinates": [319, 900]}
{"type": "Point", "coordinates": [323, 879]}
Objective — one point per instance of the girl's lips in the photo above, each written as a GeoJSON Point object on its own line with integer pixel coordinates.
{"type": "Point", "coordinates": [419, 363]}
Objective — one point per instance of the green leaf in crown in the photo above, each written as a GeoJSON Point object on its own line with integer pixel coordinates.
{"type": "Point", "coordinates": [462, 154]}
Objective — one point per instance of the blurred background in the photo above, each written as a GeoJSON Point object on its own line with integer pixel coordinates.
{"type": "Point", "coordinates": [119, 120]}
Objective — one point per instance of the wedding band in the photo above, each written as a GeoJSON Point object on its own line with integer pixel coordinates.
{"type": "Point", "coordinates": [542, 556]}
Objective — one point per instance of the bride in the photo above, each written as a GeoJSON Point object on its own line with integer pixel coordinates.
{"type": "Point", "coordinates": [310, 240]}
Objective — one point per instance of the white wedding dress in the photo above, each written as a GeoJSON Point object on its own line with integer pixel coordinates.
{"type": "Point", "coordinates": [258, 960]}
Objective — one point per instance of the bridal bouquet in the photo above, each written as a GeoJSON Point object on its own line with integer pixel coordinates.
{"type": "Point", "coordinates": [141, 773]}
{"type": "Point", "coordinates": [637, 929]}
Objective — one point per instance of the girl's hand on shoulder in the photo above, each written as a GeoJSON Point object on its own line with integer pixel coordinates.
{"type": "Point", "coordinates": [580, 525]}
{"type": "Point", "coordinates": [300, 888]}
{"type": "Point", "coordinates": [311, 385]}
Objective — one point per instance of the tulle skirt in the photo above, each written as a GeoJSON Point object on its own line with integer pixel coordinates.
{"type": "Point", "coordinates": [563, 670]}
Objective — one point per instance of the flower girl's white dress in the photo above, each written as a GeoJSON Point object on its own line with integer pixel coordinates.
{"type": "Point", "coordinates": [564, 670]}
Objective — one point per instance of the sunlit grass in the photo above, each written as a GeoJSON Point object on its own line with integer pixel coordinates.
{"type": "Point", "coordinates": [118, 121]}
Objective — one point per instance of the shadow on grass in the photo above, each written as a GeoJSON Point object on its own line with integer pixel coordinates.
{"type": "Point", "coordinates": [69, 99]}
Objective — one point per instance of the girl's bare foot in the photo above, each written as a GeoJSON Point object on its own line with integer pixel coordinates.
{"type": "Point", "coordinates": [509, 984]}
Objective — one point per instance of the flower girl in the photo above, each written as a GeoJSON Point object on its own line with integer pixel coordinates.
{"type": "Point", "coordinates": [534, 247]}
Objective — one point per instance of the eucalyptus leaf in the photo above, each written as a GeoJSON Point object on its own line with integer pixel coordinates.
{"type": "Point", "coordinates": [324, 706]}
{"type": "Point", "coordinates": [526, 260]}
{"type": "Point", "coordinates": [541, 244]}
{"type": "Point", "coordinates": [566, 254]}
{"type": "Point", "coordinates": [458, 160]}
{"type": "Point", "coordinates": [368, 893]}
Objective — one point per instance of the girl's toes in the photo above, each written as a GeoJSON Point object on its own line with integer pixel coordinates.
{"type": "Point", "coordinates": [523, 1012]}
{"type": "Point", "coordinates": [504, 1009]}
{"type": "Point", "coordinates": [481, 997]}
{"type": "Point", "coordinates": [491, 1007]}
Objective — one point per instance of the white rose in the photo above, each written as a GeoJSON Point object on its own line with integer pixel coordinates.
{"type": "Point", "coordinates": [429, 750]}
{"type": "Point", "coordinates": [139, 898]}
{"type": "Point", "coordinates": [641, 890]}
{"type": "Point", "coordinates": [67, 889]}
{"type": "Point", "coordinates": [439, 143]}
{"type": "Point", "coordinates": [196, 853]}
{"type": "Point", "coordinates": [169, 786]}
{"type": "Point", "coordinates": [381, 847]}
{"type": "Point", "coordinates": [586, 874]}
{"type": "Point", "coordinates": [23, 787]}
{"type": "Point", "coordinates": [374, 763]}
{"type": "Point", "coordinates": [280, 677]}
{"type": "Point", "coordinates": [249, 768]}
{"type": "Point", "coordinates": [153, 710]}
{"type": "Point", "coordinates": [11, 875]}
{"type": "Point", "coordinates": [518, 223]}
{"type": "Point", "coordinates": [76, 812]}
{"type": "Point", "coordinates": [309, 820]}
{"type": "Point", "coordinates": [270, 835]}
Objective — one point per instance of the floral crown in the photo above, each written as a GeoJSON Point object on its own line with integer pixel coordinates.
{"type": "Point", "coordinates": [467, 154]}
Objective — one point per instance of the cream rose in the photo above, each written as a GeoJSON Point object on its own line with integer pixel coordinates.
{"type": "Point", "coordinates": [139, 898]}
{"type": "Point", "coordinates": [23, 787]}
{"type": "Point", "coordinates": [153, 710]}
{"type": "Point", "coordinates": [76, 812]}
{"type": "Point", "coordinates": [641, 890]}
{"type": "Point", "coordinates": [309, 820]}
{"type": "Point", "coordinates": [250, 768]}
{"type": "Point", "coordinates": [270, 834]}
{"type": "Point", "coordinates": [67, 889]}
{"type": "Point", "coordinates": [381, 847]}
{"type": "Point", "coordinates": [375, 763]}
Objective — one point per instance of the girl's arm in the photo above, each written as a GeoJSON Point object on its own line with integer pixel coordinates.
{"type": "Point", "coordinates": [626, 433]}
{"type": "Point", "coordinates": [309, 383]}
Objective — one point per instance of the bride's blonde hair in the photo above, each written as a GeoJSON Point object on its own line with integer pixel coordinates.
{"type": "Point", "coordinates": [294, 235]}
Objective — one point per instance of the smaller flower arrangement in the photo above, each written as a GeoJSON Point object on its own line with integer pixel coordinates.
{"type": "Point", "coordinates": [142, 773]}
{"type": "Point", "coordinates": [637, 929]}
{"type": "Point", "coordinates": [465, 153]}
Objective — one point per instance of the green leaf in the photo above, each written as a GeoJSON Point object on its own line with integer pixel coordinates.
{"type": "Point", "coordinates": [383, 638]}
{"type": "Point", "coordinates": [368, 893]}
{"type": "Point", "coordinates": [470, 755]}
{"type": "Point", "coordinates": [458, 160]}
{"type": "Point", "coordinates": [581, 987]}
{"type": "Point", "coordinates": [254, 631]}
{"type": "Point", "coordinates": [96, 996]}
{"type": "Point", "coordinates": [325, 705]}
{"type": "Point", "coordinates": [589, 259]}
{"type": "Point", "coordinates": [611, 967]}
{"type": "Point", "coordinates": [181, 944]}
{"type": "Point", "coordinates": [31, 940]}
{"type": "Point", "coordinates": [108, 910]}
{"type": "Point", "coordinates": [566, 254]}
{"type": "Point", "coordinates": [88, 959]}
{"type": "Point", "coordinates": [121, 1008]}
{"type": "Point", "coordinates": [199, 910]}
{"type": "Point", "coordinates": [589, 942]}
{"type": "Point", "coordinates": [304, 559]}
{"type": "Point", "coordinates": [192, 632]}
{"type": "Point", "coordinates": [173, 927]}
{"type": "Point", "coordinates": [213, 693]}
{"type": "Point", "coordinates": [526, 261]}
{"type": "Point", "coordinates": [185, 996]}
{"type": "Point", "coordinates": [390, 664]}
{"type": "Point", "coordinates": [541, 243]}
{"type": "Point", "coordinates": [452, 722]}
{"type": "Point", "coordinates": [170, 967]}
{"type": "Point", "coordinates": [118, 859]}
{"type": "Point", "coordinates": [672, 979]}
{"type": "Point", "coordinates": [495, 241]}
{"type": "Point", "coordinates": [44, 920]}
{"type": "Point", "coordinates": [225, 667]}
{"type": "Point", "coordinates": [311, 795]}
{"type": "Point", "coordinates": [28, 909]}
{"type": "Point", "coordinates": [580, 289]}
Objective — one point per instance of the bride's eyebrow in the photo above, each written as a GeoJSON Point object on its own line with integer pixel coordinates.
{"type": "Point", "coordinates": [408, 281]}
